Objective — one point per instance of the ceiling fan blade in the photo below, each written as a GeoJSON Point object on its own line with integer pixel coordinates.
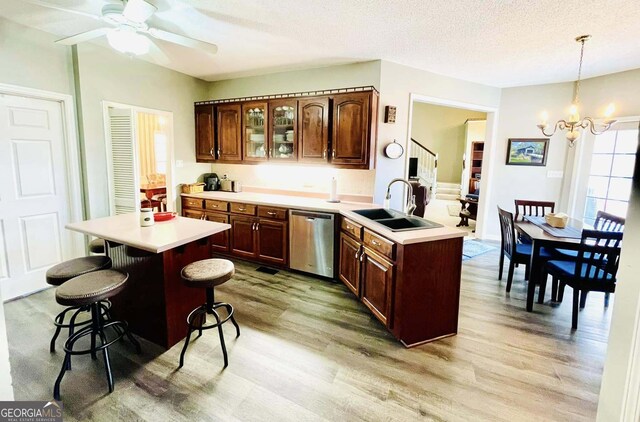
{"type": "Point", "coordinates": [157, 54]}
{"type": "Point", "coordinates": [182, 40]}
{"type": "Point", "coordinates": [138, 10]}
{"type": "Point", "coordinates": [84, 36]}
{"type": "Point", "coordinates": [62, 9]}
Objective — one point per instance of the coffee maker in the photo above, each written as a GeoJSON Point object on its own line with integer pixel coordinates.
{"type": "Point", "coordinates": [211, 181]}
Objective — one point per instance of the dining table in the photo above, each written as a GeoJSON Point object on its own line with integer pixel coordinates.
{"type": "Point", "coordinates": [541, 235]}
{"type": "Point", "coordinates": [150, 189]}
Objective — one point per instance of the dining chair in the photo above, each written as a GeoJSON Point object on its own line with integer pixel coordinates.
{"type": "Point", "coordinates": [518, 253]}
{"type": "Point", "coordinates": [594, 269]}
{"type": "Point", "coordinates": [526, 207]}
{"type": "Point", "coordinates": [604, 222]}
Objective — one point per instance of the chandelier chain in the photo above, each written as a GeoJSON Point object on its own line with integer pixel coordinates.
{"type": "Point", "coordinates": [576, 97]}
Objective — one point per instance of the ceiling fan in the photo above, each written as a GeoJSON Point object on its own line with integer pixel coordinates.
{"type": "Point", "coordinates": [128, 31]}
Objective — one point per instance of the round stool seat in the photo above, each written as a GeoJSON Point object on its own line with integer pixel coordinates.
{"type": "Point", "coordinates": [208, 272]}
{"type": "Point", "coordinates": [90, 288]}
{"type": "Point", "coordinates": [67, 270]}
{"type": "Point", "coordinates": [97, 246]}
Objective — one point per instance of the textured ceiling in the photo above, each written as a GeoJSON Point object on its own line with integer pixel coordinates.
{"type": "Point", "coordinates": [495, 42]}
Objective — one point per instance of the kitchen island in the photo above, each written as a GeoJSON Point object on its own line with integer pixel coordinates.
{"type": "Point", "coordinates": [155, 303]}
{"type": "Point", "coordinates": [409, 280]}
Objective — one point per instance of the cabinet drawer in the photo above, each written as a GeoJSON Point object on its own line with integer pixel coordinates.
{"type": "Point", "coordinates": [213, 205]}
{"type": "Point", "coordinates": [217, 218]}
{"type": "Point", "coordinates": [239, 208]}
{"type": "Point", "coordinates": [380, 244]}
{"type": "Point", "coordinates": [192, 203]}
{"type": "Point", "coordinates": [270, 212]}
{"type": "Point", "coordinates": [354, 229]}
{"type": "Point", "coordinates": [192, 214]}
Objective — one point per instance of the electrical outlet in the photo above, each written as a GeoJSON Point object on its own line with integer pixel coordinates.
{"type": "Point", "coordinates": [179, 164]}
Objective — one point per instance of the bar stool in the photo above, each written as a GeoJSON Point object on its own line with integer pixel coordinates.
{"type": "Point", "coordinates": [65, 271]}
{"type": "Point", "coordinates": [207, 274]}
{"type": "Point", "coordinates": [89, 290]}
{"type": "Point", "coordinates": [97, 246]}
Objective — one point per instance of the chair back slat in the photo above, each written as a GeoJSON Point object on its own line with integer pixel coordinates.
{"type": "Point", "coordinates": [525, 207]}
{"type": "Point", "coordinates": [599, 256]}
{"type": "Point", "coordinates": [609, 222]}
{"type": "Point", "coordinates": [507, 231]}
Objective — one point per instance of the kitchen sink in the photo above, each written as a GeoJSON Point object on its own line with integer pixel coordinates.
{"type": "Point", "coordinates": [397, 221]}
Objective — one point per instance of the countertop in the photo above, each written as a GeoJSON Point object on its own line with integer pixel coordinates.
{"type": "Point", "coordinates": [343, 208]}
{"type": "Point", "coordinates": [160, 237]}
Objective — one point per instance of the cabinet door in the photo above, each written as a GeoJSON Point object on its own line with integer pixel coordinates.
{"type": "Point", "coordinates": [350, 140]}
{"type": "Point", "coordinates": [229, 146]}
{"type": "Point", "coordinates": [254, 132]}
{"type": "Point", "coordinates": [282, 130]}
{"type": "Point", "coordinates": [313, 130]}
{"type": "Point", "coordinates": [205, 140]}
{"type": "Point", "coordinates": [349, 267]}
{"type": "Point", "coordinates": [272, 241]}
{"type": "Point", "coordinates": [243, 236]}
{"type": "Point", "coordinates": [377, 285]}
{"type": "Point", "coordinates": [219, 241]}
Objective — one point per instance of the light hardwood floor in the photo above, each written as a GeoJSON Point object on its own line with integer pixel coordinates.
{"type": "Point", "coordinates": [309, 351]}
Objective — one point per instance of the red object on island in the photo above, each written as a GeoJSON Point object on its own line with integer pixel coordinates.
{"type": "Point", "coordinates": [163, 216]}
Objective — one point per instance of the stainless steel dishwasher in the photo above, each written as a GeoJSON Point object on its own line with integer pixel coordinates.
{"type": "Point", "coordinates": [311, 242]}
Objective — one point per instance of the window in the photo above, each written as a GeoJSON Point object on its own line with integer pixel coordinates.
{"type": "Point", "coordinates": [611, 173]}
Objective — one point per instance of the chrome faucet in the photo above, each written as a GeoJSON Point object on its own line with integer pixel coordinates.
{"type": "Point", "coordinates": [410, 206]}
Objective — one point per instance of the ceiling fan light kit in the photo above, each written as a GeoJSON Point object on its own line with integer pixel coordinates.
{"type": "Point", "coordinates": [574, 124]}
{"type": "Point", "coordinates": [128, 41]}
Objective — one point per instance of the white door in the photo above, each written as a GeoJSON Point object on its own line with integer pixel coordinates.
{"type": "Point", "coordinates": [123, 176]}
{"type": "Point", "coordinates": [33, 193]}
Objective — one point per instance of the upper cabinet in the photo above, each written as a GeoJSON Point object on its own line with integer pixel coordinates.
{"type": "Point", "coordinates": [205, 139]}
{"type": "Point", "coordinates": [313, 130]}
{"type": "Point", "coordinates": [229, 134]}
{"type": "Point", "coordinates": [335, 129]}
{"type": "Point", "coordinates": [254, 124]}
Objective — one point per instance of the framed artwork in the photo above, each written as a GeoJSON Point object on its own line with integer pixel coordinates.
{"type": "Point", "coordinates": [527, 152]}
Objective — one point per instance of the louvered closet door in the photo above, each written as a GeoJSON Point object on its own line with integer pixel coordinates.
{"type": "Point", "coordinates": [124, 175]}
{"type": "Point", "coordinates": [33, 193]}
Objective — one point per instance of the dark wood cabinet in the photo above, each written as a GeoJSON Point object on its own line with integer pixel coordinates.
{"type": "Point", "coordinates": [350, 129]}
{"type": "Point", "coordinates": [349, 264]}
{"type": "Point", "coordinates": [229, 133]}
{"type": "Point", "coordinates": [192, 213]}
{"type": "Point", "coordinates": [243, 236]}
{"type": "Point", "coordinates": [377, 285]}
{"type": "Point", "coordinates": [272, 241]}
{"type": "Point", "coordinates": [313, 130]}
{"type": "Point", "coordinates": [338, 129]}
{"type": "Point", "coordinates": [219, 241]}
{"type": "Point", "coordinates": [205, 136]}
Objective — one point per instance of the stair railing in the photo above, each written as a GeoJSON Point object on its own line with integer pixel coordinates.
{"type": "Point", "coordinates": [427, 165]}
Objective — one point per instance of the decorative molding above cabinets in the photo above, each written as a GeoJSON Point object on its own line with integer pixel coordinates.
{"type": "Point", "coordinates": [333, 127]}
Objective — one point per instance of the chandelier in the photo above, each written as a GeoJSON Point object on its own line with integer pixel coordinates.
{"type": "Point", "coordinates": [574, 125]}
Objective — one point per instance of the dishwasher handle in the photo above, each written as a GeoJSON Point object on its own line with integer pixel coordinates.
{"type": "Point", "coordinates": [311, 216]}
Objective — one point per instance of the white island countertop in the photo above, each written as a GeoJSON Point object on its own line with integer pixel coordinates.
{"type": "Point", "coordinates": [160, 237]}
{"type": "Point", "coordinates": [343, 208]}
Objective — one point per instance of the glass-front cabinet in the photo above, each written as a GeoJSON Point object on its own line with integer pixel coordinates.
{"type": "Point", "coordinates": [283, 140]}
{"type": "Point", "coordinates": [254, 122]}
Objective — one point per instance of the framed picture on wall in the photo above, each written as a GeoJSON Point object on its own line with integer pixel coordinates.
{"type": "Point", "coordinates": [527, 152]}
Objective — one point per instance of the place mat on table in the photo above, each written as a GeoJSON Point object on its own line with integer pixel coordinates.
{"type": "Point", "coordinates": [568, 232]}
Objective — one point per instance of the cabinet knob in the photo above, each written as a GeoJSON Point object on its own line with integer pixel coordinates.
{"type": "Point", "coordinates": [374, 243]}
{"type": "Point", "coordinates": [241, 209]}
{"type": "Point", "coordinates": [333, 153]}
{"type": "Point", "coordinates": [272, 213]}
{"type": "Point", "coordinates": [324, 154]}
{"type": "Point", "coordinates": [349, 227]}
{"type": "Point", "coordinates": [211, 152]}
{"type": "Point", "coordinates": [218, 152]}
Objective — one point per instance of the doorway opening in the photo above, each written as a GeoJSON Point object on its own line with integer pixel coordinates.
{"type": "Point", "coordinates": [445, 155]}
{"type": "Point", "coordinates": [140, 156]}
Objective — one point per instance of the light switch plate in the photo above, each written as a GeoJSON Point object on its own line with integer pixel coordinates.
{"type": "Point", "coordinates": [555, 174]}
{"type": "Point", "coordinates": [179, 164]}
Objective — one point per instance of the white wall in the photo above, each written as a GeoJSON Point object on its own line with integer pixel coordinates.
{"type": "Point", "coordinates": [397, 83]}
{"type": "Point", "coordinates": [30, 58]}
{"type": "Point", "coordinates": [106, 75]}
{"type": "Point", "coordinates": [298, 177]}
{"type": "Point", "coordinates": [443, 131]}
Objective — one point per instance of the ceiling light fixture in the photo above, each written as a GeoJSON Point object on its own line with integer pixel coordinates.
{"type": "Point", "coordinates": [126, 40]}
{"type": "Point", "coordinates": [575, 124]}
